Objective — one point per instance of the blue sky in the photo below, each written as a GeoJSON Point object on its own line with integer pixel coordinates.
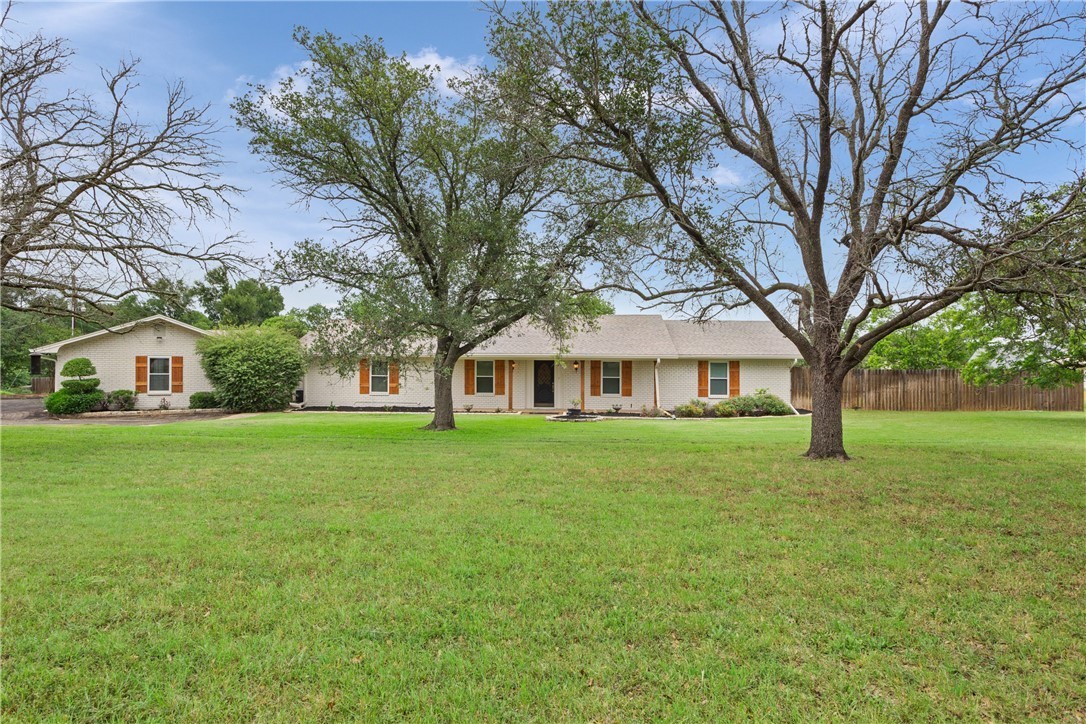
{"type": "Point", "coordinates": [217, 48]}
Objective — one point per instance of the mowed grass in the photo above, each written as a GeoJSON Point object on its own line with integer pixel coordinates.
{"type": "Point", "coordinates": [324, 566]}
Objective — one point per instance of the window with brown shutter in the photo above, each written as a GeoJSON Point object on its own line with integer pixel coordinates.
{"type": "Point", "coordinates": [469, 377]}
{"type": "Point", "coordinates": [733, 379]}
{"type": "Point", "coordinates": [499, 377]}
{"type": "Point", "coordinates": [703, 378]}
{"type": "Point", "coordinates": [363, 376]}
{"type": "Point", "coordinates": [393, 378]}
{"type": "Point", "coordinates": [627, 378]}
{"type": "Point", "coordinates": [594, 383]}
{"type": "Point", "coordinates": [141, 373]}
{"type": "Point", "coordinates": [177, 374]}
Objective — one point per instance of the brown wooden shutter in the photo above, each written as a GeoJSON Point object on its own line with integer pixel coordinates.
{"type": "Point", "coordinates": [499, 377]}
{"type": "Point", "coordinates": [596, 377]}
{"type": "Point", "coordinates": [627, 378]}
{"type": "Point", "coordinates": [141, 373]}
{"type": "Point", "coordinates": [733, 379]}
{"type": "Point", "coordinates": [393, 378]}
{"type": "Point", "coordinates": [703, 378]}
{"type": "Point", "coordinates": [363, 376]}
{"type": "Point", "coordinates": [469, 377]}
{"type": "Point", "coordinates": [177, 374]}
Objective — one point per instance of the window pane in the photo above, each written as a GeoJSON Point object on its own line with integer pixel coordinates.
{"type": "Point", "coordinates": [380, 369]}
{"type": "Point", "coordinates": [718, 387]}
{"type": "Point", "coordinates": [611, 369]}
{"type": "Point", "coordinates": [158, 383]}
{"type": "Point", "coordinates": [484, 377]}
{"type": "Point", "coordinates": [378, 383]}
{"type": "Point", "coordinates": [718, 369]}
{"type": "Point", "coordinates": [611, 385]}
{"type": "Point", "coordinates": [160, 365]}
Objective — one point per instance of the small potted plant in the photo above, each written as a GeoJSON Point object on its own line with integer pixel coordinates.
{"type": "Point", "coordinates": [616, 409]}
{"type": "Point", "coordinates": [574, 409]}
{"type": "Point", "coordinates": [468, 408]}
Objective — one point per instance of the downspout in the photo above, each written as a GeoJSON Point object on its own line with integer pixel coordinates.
{"type": "Point", "coordinates": [656, 383]}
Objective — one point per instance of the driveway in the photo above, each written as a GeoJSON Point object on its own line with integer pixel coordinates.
{"type": "Point", "coordinates": [29, 411]}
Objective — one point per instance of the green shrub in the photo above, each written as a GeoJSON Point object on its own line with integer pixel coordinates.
{"type": "Point", "coordinates": [771, 404]}
{"type": "Point", "coordinates": [647, 411]}
{"type": "Point", "coordinates": [744, 405]}
{"type": "Point", "coordinates": [204, 401]}
{"type": "Point", "coordinates": [252, 368]}
{"type": "Point", "coordinates": [725, 408]}
{"type": "Point", "coordinates": [63, 402]}
{"type": "Point", "coordinates": [121, 400]}
{"type": "Point", "coordinates": [694, 408]}
{"type": "Point", "coordinates": [82, 369]}
{"type": "Point", "coordinates": [78, 367]}
{"type": "Point", "coordinates": [81, 386]}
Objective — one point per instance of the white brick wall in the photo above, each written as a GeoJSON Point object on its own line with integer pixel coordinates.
{"type": "Point", "coordinates": [114, 356]}
{"type": "Point", "coordinates": [678, 384]}
{"type": "Point", "coordinates": [679, 379]}
{"type": "Point", "coordinates": [416, 389]}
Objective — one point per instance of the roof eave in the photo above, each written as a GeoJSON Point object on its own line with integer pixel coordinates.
{"type": "Point", "coordinates": [56, 346]}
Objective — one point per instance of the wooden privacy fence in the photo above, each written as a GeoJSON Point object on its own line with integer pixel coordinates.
{"type": "Point", "coordinates": [914, 390]}
{"type": "Point", "coordinates": [41, 385]}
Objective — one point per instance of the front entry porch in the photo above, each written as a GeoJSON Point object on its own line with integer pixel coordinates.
{"type": "Point", "coordinates": [543, 383]}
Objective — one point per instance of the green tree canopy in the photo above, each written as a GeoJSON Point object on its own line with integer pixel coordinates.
{"type": "Point", "coordinates": [835, 159]}
{"type": "Point", "coordinates": [457, 219]}
{"type": "Point", "coordinates": [171, 298]}
{"type": "Point", "coordinates": [248, 301]}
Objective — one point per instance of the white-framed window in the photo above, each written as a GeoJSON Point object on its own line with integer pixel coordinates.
{"type": "Point", "coordinates": [611, 378]}
{"type": "Point", "coordinates": [379, 378]}
{"type": "Point", "coordinates": [484, 377]}
{"type": "Point", "coordinates": [718, 379]}
{"type": "Point", "coordinates": [158, 375]}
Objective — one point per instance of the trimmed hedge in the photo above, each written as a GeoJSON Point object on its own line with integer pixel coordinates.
{"type": "Point", "coordinates": [253, 369]}
{"type": "Point", "coordinates": [63, 402]}
{"type": "Point", "coordinates": [756, 405]}
{"type": "Point", "coordinates": [78, 367]}
{"type": "Point", "coordinates": [81, 386]}
{"type": "Point", "coordinates": [121, 400]}
{"type": "Point", "coordinates": [79, 395]}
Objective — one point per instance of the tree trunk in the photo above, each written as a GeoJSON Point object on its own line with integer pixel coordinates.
{"type": "Point", "coordinates": [827, 433]}
{"type": "Point", "coordinates": [443, 401]}
{"type": "Point", "coordinates": [444, 364]}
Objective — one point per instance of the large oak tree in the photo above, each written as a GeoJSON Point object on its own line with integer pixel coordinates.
{"type": "Point", "coordinates": [821, 161]}
{"type": "Point", "coordinates": [453, 222]}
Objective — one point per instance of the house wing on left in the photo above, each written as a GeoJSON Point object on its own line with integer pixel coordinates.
{"type": "Point", "coordinates": [154, 356]}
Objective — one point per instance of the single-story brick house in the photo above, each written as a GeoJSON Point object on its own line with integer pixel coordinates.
{"type": "Point", "coordinates": [155, 356]}
{"type": "Point", "coordinates": [631, 360]}
{"type": "Point", "coordinates": [634, 361]}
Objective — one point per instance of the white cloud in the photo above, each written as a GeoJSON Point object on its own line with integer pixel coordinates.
{"type": "Point", "coordinates": [445, 67]}
{"type": "Point", "coordinates": [724, 176]}
{"type": "Point", "coordinates": [273, 82]}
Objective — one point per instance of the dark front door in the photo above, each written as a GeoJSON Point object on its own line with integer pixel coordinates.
{"type": "Point", "coordinates": [544, 383]}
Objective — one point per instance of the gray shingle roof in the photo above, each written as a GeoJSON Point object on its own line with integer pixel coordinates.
{"type": "Point", "coordinates": [613, 335]}
{"type": "Point", "coordinates": [647, 336]}
{"type": "Point", "coordinates": [729, 338]}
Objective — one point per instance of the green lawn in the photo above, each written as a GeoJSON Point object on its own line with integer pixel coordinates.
{"type": "Point", "coordinates": [288, 567]}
